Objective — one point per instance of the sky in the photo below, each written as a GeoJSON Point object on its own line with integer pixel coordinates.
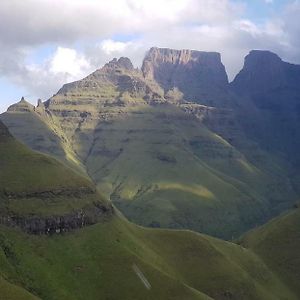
{"type": "Point", "coordinates": [46, 43]}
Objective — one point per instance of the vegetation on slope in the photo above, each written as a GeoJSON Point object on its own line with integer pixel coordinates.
{"type": "Point", "coordinates": [100, 262]}
{"type": "Point", "coordinates": [113, 259]}
{"type": "Point", "coordinates": [278, 244]}
{"type": "Point", "coordinates": [34, 127]}
{"type": "Point", "coordinates": [156, 160]}
{"type": "Point", "coordinates": [39, 193]}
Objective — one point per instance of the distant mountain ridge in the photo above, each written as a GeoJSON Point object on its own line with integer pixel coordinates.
{"type": "Point", "coordinates": [174, 144]}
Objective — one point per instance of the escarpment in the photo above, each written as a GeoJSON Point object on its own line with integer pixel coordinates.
{"type": "Point", "coordinates": [200, 76]}
{"type": "Point", "coordinates": [174, 144]}
{"type": "Point", "coordinates": [57, 224]}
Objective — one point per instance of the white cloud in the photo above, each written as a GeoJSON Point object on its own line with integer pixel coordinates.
{"type": "Point", "coordinates": [44, 79]}
{"type": "Point", "coordinates": [66, 60]}
{"type": "Point", "coordinates": [209, 25]}
{"type": "Point", "coordinates": [247, 26]}
{"type": "Point", "coordinates": [110, 46]}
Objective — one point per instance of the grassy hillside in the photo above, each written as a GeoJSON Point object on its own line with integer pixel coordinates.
{"type": "Point", "coordinates": [101, 262]}
{"type": "Point", "coordinates": [168, 164]}
{"type": "Point", "coordinates": [39, 130]}
{"type": "Point", "coordinates": [278, 243]}
{"type": "Point", "coordinates": [37, 191]}
{"type": "Point", "coordinates": [13, 292]}
{"type": "Point", "coordinates": [113, 259]}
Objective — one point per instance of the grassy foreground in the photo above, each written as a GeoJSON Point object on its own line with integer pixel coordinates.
{"type": "Point", "coordinates": [278, 243]}
{"type": "Point", "coordinates": [97, 262]}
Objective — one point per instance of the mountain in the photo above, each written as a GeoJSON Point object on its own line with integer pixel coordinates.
{"type": "Point", "coordinates": [272, 87]}
{"type": "Point", "coordinates": [108, 258]}
{"type": "Point", "coordinates": [199, 75]}
{"type": "Point", "coordinates": [163, 153]}
{"type": "Point", "coordinates": [263, 72]}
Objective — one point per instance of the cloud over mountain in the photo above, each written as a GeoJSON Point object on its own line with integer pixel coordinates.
{"type": "Point", "coordinates": [82, 35]}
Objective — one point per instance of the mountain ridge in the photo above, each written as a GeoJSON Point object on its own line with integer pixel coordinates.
{"type": "Point", "coordinates": [165, 162]}
{"type": "Point", "coordinates": [122, 128]}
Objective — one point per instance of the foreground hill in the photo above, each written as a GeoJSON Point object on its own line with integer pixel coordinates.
{"type": "Point", "coordinates": [278, 243]}
{"type": "Point", "coordinates": [112, 259]}
{"type": "Point", "coordinates": [118, 260]}
{"type": "Point", "coordinates": [172, 145]}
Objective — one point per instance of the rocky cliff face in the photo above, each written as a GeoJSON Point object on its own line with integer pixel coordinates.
{"type": "Point", "coordinates": [148, 146]}
{"type": "Point", "coordinates": [272, 87]}
{"type": "Point", "coordinates": [200, 76]}
{"type": "Point", "coordinates": [58, 224]}
{"type": "Point", "coordinates": [263, 72]}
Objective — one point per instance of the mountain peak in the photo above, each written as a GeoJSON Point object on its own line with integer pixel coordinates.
{"type": "Point", "coordinates": [261, 58]}
{"type": "Point", "coordinates": [264, 54]}
{"type": "Point", "coordinates": [264, 71]}
{"type": "Point", "coordinates": [177, 57]}
{"type": "Point", "coordinates": [21, 106]}
{"type": "Point", "coordinates": [121, 63]}
{"type": "Point", "coordinates": [197, 74]}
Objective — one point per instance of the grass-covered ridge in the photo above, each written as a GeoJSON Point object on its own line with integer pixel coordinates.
{"type": "Point", "coordinates": [37, 191]}
{"type": "Point", "coordinates": [99, 262]}
{"type": "Point", "coordinates": [278, 243]}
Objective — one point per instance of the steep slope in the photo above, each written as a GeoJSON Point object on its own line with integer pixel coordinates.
{"type": "Point", "coordinates": [200, 76]}
{"type": "Point", "coordinates": [278, 243]}
{"type": "Point", "coordinates": [34, 127]}
{"type": "Point", "coordinates": [272, 87]}
{"type": "Point", "coordinates": [118, 260]}
{"type": "Point", "coordinates": [113, 259]}
{"type": "Point", "coordinates": [41, 195]}
{"type": "Point", "coordinates": [12, 292]}
{"type": "Point", "coordinates": [163, 160]}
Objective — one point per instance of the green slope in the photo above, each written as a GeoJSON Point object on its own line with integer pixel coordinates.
{"type": "Point", "coordinates": [36, 189]}
{"type": "Point", "coordinates": [113, 259]}
{"type": "Point", "coordinates": [34, 127]}
{"type": "Point", "coordinates": [278, 244]}
{"type": "Point", "coordinates": [98, 262]}
{"type": "Point", "coordinates": [13, 292]}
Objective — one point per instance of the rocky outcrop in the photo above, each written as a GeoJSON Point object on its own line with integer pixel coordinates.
{"type": "Point", "coordinates": [121, 63]}
{"type": "Point", "coordinates": [66, 192]}
{"type": "Point", "coordinates": [86, 216]}
{"type": "Point", "coordinates": [21, 106]}
{"type": "Point", "coordinates": [113, 73]}
{"type": "Point", "coordinates": [199, 75]}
